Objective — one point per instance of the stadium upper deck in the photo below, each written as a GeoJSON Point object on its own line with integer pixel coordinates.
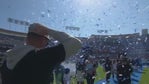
{"type": "Point", "coordinates": [12, 33]}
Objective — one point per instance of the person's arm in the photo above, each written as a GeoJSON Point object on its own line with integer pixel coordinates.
{"type": "Point", "coordinates": [71, 44]}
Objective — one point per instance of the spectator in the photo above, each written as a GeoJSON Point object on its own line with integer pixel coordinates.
{"type": "Point", "coordinates": [59, 74]}
{"type": "Point", "coordinates": [108, 67]}
{"type": "Point", "coordinates": [34, 62]}
{"type": "Point", "coordinates": [80, 76]}
{"type": "Point", "coordinates": [90, 72]}
{"type": "Point", "coordinates": [67, 77]}
{"type": "Point", "coordinates": [114, 69]}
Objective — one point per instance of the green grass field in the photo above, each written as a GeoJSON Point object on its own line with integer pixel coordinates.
{"type": "Point", "coordinates": [145, 77]}
{"type": "Point", "coordinates": [100, 74]}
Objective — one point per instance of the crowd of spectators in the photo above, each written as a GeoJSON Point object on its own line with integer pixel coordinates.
{"type": "Point", "coordinates": [10, 40]}
{"type": "Point", "coordinates": [133, 45]}
{"type": "Point", "coordinates": [93, 51]}
{"type": "Point", "coordinates": [97, 45]}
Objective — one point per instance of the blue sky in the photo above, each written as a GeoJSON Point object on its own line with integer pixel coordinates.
{"type": "Point", "coordinates": [116, 16]}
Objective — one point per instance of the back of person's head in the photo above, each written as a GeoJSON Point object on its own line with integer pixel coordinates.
{"type": "Point", "coordinates": [67, 70]}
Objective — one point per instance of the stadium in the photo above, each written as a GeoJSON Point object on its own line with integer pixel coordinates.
{"type": "Point", "coordinates": [92, 42]}
{"type": "Point", "coordinates": [98, 47]}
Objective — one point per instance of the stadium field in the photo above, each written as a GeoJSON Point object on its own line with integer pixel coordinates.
{"type": "Point", "coordinates": [99, 76]}
{"type": "Point", "coordinates": [145, 76]}
{"type": "Point", "coordinates": [138, 77]}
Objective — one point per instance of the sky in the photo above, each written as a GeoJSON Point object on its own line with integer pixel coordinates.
{"type": "Point", "coordinates": [113, 16]}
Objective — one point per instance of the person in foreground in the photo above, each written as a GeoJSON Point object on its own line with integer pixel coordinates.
{"type": "Point", "coordinates": [34, 61]}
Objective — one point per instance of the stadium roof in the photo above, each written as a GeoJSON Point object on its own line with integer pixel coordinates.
{"type": "Point", "coordinates": [13, 33]}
